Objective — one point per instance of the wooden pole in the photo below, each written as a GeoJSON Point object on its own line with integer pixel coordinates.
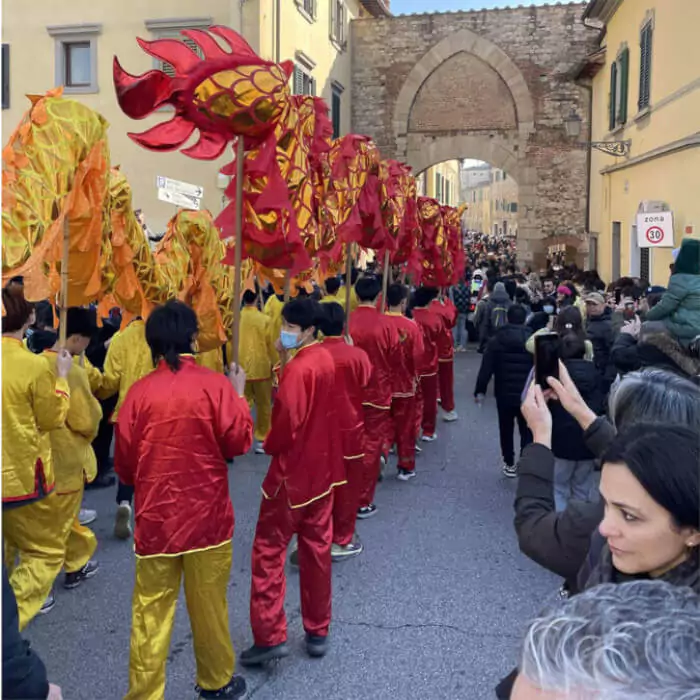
{"type": "Point", "coordinates": [62, 321]}
{"type": "Point", "coordinates": [235, 334]}
{"type": "Point", "coordinates": [348, 286]}
{"type": "Point", "coordinates": [287, 286]}
{"type": "Point", "coordinates": [385, 280]}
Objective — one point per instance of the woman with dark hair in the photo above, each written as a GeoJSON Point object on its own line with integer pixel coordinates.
{"type": "Point", "coordinates": [650, 484]}
{"type": "Point", "coordinates": [177, 429]}
{"type": "Point", "coordinates": [34, 402]}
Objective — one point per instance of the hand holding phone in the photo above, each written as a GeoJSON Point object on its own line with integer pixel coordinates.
{"type": "Point", "coordinates": [546, 358]}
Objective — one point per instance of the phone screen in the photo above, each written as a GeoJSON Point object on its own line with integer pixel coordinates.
{"type": "Point", "coordinates": [546, 358]}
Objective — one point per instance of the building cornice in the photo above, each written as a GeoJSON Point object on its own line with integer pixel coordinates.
{"type": "Point", "coordinates": [377, 8]}
{"type": "Point", "coordinates": [602, 10]}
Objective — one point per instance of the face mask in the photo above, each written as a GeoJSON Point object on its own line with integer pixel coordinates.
{"type": "Point", "coordinates": [548, 309]}
{"type": "Point", "coordinates": [289, 340]}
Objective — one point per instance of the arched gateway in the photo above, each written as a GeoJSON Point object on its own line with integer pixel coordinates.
{"type": "Point", "coordinates": [495, 85]}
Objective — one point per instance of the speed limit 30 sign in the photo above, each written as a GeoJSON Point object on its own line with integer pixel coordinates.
{"type": "Point", "coordinates": [655, 230]}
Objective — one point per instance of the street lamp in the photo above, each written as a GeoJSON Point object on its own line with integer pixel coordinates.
{"type": "Point", "coordinates": [572, 124]}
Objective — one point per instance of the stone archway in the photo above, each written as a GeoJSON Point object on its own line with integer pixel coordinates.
{"type": "Point", "coordinates": [494, 85]}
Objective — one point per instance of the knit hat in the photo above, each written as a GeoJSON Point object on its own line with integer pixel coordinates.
{"type": "Point", "coordinates": [688, 259]}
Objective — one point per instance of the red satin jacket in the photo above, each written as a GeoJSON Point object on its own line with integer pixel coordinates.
{"type": "Point", "coordinates": [373, 332]}
{"type": "Point", "coordinates": [304, 440]}
{"type": "Point", "coordinates": [352, 375]}
{"type": "Point", "coordinates": [408, 361]}
{"type": "Point", "coordinates": [175, 433]}
{"type": "Point", "coordinates": [432, 326]}
{"type": "Point", "coordinates": [447, 312]}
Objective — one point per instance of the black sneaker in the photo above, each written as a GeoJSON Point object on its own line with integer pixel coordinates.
{"type": "Point", "coordinates": [235, 690]}
{"type": "Point", "coordinates": [366, 511]}
{"type": "Point", "coordinates": [74, 579]}
{"type": "Point", "coordinates": [256, 656]}
{"type": "Point", "coordinates": [510, 471]}
{"type": "Point", "coordinates": [49, 604]}
{"type": "Point", "coordinates": [316, 646]}
{"type": "Point", "coordinates": [101, 481]}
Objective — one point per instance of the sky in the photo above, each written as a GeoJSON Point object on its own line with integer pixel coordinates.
{"type": "Point", "coordinates": [404, 7]}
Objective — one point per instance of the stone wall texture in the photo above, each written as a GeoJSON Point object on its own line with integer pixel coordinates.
{"type": "Point", "coordinates": [490, 84]}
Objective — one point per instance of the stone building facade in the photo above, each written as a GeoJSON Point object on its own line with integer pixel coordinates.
{"type": "Point", "coordinates": [493, 85]}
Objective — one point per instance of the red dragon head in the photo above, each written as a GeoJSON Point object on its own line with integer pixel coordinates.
{"type": "Point", "coordinates": [224, 94]}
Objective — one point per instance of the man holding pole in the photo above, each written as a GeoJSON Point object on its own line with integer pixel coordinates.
{"type": "Point", "coordinates": [373, 332]}
{"type": "Point", "coordinates": [405, 378]}
{"type": "Point", "coordinates": [446, 311]}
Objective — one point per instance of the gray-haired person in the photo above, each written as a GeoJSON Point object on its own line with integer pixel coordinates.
{"type": "Point", "coordinates": [629, 641]}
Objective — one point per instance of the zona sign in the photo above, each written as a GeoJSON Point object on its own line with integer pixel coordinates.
{"type": "Point", "coordinates": [655, 230]}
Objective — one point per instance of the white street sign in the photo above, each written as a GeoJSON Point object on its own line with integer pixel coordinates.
{"type": "Point", "coordinates": [179, 199]}
{"type": "Point", "coordinates": [165, 183]}
{"type": "Point", "coordinates": [655, 230]}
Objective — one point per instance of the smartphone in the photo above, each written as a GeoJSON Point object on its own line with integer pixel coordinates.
{"type": "Point", "coordinates": [546, 358]}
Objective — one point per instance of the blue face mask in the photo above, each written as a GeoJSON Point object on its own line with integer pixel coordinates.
{"type": "Point", "coordinates": [289, 340]}
{"type": "Point", "coordinates": [548, 309]}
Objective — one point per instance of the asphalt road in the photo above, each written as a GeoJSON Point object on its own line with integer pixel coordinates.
{"type": "Point", "coordinates": [433, 609]}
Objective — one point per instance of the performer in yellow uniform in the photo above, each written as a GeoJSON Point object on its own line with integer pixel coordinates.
{"type": "Point", "coordinates": [128, 360]}
{"type": "Point", "coordinates": [273, 309]}
{"type": "Point", "coordinates": [34, 402]}
{"type": "Point", "coordinates": [257, 355]}
{"type": "Point", "coordinates": [333, 295]}
{"type": "Point", "coordinates": [73, 456]}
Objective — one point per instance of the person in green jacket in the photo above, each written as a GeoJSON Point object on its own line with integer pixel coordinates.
{"type": "Point", "coordinates": [679, 307]}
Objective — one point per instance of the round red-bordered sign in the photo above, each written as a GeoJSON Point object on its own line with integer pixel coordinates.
{"type": "Point", "coordinates": [655, 234]}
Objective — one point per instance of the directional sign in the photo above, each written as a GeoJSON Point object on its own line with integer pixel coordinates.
{"type": "Point", "coordinates": [655, 230]}
{"type": "Point", "coordinates": [178, 187]}
{"type": "Point", "coordinates": [179, 199]}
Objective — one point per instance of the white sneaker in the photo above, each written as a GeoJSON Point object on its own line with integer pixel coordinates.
{"type": "Point", "coordinates": [405, 475]}
{"type": "Point", "coordinates": [122, 522]}
{"type": "Point", "coordinates": [87, 516]}
{"type": "Point", "coordinates": [429, 438]}
{"type": "Point", "coordinates": [450, 417]}
{"type": "Point", "coordinates": [259, 449]}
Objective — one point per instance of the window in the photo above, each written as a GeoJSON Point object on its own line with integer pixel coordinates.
{"type": "Point", "coordinates": [645, 65]}
{"type": "Point", "coordinates": [171, 29]}
{"type": "Point", "coordinates": [6, 76]}
{"type": "Point", "coordinates": [438, 187]}
{"type": "Point", "coordinates": [307, 8]}
{"type": "Point", "coordinates": [336, 92]}
{"type": "Point", "coordinates": [613, 97]}
{"type": "Point", "coordinates": [623, 68]}
{"type": "Point", "coordinates": [304, 83]}
{"type": "Point", "coordinates": [645, 264]}
{"type": "Point", "coordinates": [338, 22]}
{"type": "Point", "coordinates": [76, 57]}
{"type": "Point", "coordinates": [514, 207]}
{"type": "Point", "coordinates": [616, 249]}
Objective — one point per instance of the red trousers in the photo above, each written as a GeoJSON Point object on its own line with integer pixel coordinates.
{"type": "Point", "coordinates": [446, 378]}
{"type": "Point", "coordinates": [346, 501]}
{"type": "Point", "coordinates": [277, 522]}
{"type": "Point", "coordinates": [377, 426]}
{"type": "Point", "coordinates": [405, 430]}
{"type": "Point", "coordinates": [429, 389]}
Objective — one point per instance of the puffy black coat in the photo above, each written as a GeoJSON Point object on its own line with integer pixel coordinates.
{"type": "Point", "coordinates": [567, 436]}
{"type": "Point", "coordinates": [507, 359]}
{"type": "Point", "coordinates": [601, 334]}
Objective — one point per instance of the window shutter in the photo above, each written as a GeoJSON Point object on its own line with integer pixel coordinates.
{"type": "Point", "coordinates": [312, 86]}
{"type": "Point", "coordinates": [298, 81]}
{"type": "Point", "coordinates": [5, 76]}
{"type": "Point", "coordinates": [624, 86]}
{"type": "Point", "coordinates": [613, 96]}
{"type": "Point", "coordinates": [335, 113]}
{"type": "Point", "coordinates": [645, 67]}
{"type": "Point", "coordinates": [334, 20]}
{"type": "Point", "coordinates": [165, 66]}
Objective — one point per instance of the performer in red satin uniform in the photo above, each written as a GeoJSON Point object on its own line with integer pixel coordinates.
{"type": "Point", "coordinates": [372, 332]}
{"type": "Point", "coordinates": [447, 312]}
{"type": "Point", "coordinates": [307, 464]}
{"type": "Point", "coordinates": [177, 429]}
{"type": "Point", "coordinates": [405, 379]}
{"type": "Point", "coordinates": [352, 373]}
{"type": "Point", "coordinates": [432, 327]}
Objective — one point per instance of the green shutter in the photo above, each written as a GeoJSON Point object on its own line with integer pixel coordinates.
{"type": "Point", "coordinates": [613, 96]}
{"type": "Point", "coordinates": [298, 81]}
{"type": "Point", "coordinates": [645, 67]}
{"type": "Point", "coordinates": [624, 86]}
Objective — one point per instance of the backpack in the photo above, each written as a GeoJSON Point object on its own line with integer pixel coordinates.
{"type": "Point", "coordinates": [499, 317]}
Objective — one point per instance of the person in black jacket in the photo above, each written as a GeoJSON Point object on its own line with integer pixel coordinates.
{"type": "Point", "coordinates": [600, 332]}
{"type": "Point", "coordinates": [507, 359]}
{"type": "Point", "coordinates": [574, 464]}
{"type": "Point", "coordinates": [23, 672]}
